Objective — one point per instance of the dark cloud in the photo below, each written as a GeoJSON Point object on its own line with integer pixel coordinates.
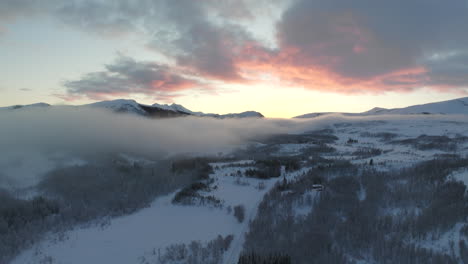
{"type": "Point", "coordinates": [449, 69]}
{"type": "Point", "coordinates": [111, 18]}
{"type": "Point", "coordinates": [127, 76]}
{"type": "Point", "coordinates": [367, 38]}
{"type": "Point", "coordinates": [198, 43]}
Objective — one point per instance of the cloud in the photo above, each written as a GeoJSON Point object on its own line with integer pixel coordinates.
{"type": "Point", "coordinates": [384, 43]}
{"type": "Point", "coordinates": [108, 18]}
{"type": "Point", "coordinates": [181, 30]}
{"type": "Point", "coordinates": [197, 43]}
{"type": "Point", "coordinates": [126, 76]}
{"type": "Point", "coordinates": [450, 69]}
{"type": "Point", "coordinates": [328, 45]}
{"type": "Point", "coordinates": [11, 9]}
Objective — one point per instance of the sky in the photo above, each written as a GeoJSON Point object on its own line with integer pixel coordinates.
{"type": "Point", "coordinates": [280, 57]}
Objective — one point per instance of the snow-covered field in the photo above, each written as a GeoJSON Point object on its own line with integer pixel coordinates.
{"type": "Point", "coordinates": [129, 238]}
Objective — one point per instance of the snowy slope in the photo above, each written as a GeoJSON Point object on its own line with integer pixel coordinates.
{"type": "Point", "coordinates": [120, 105]}
{"type": "Point", "coordinates": [129, 238]}
{"type": "Point", "coordinates": [456, 106]}
{"type": "Point", "coordinates": [172, 107]}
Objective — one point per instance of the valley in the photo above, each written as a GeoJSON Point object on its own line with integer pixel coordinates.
{"type": "Point", "coordinates": [271, 180]}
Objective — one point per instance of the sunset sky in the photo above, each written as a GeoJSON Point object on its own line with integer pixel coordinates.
{"type": "Point", "coordinates": [280, 57]}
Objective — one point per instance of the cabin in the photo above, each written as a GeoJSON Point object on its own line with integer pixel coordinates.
{"type": "Point", "coordinates": [318, 187]}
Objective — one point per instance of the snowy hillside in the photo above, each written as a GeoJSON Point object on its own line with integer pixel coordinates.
{"type": "Point", "coordinates": [120, 105]}
{"type": "Point", "coordinates": [146, 236]}
{"type": "Point", "coordinates": [456, 106]}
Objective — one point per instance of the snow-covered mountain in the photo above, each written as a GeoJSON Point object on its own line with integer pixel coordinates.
{"type": "Point", "coordinates": [456, 106]}
{"type": "Point", "coordinates": [245, 114]}
{"type": "Point", "coordinates": [13, 107]}
{"type": "Point", "coordinates": [163, 110]}
{"type": "Point", "coordinates": [156, 110]}
{"type": "Point", "coordinates": [133, 107]}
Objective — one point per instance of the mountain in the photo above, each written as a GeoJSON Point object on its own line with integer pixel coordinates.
{"type": "Point", "coordinates": [246, 114]}
{"type": "Point", "coordinates": [13, 107]}
{"type": "Point", "coordinates": [456, 106]}
{"type": "Point", "coordinates": [163, 110]}
{"type": "Point", "coordinates": [131, 106]}
{"type": "Point", "coordinates": [152, 111]}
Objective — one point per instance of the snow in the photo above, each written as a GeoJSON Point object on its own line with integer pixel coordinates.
{"type": "Point", "coordinates": [304, 208]}
{"type": "Point", "coordinates": [443, 242]}
{"type": "Point", "coordinates": [362, 193]}
{"type": "Point", "coordinates": [292, 149]}
{"type": "Point", "coordinates": [247, 114]}
{"type": "Point", "coordinates": [173, 107]}
{"type": "Point", "coordinates": [460, 175]}
{"type": "Point", "coordinates": [133, 107]}
{"type": "Point", "coordinates": [34, 106]}
{"type": "Point", "coordinates": [242, 115]}
{"type": "Point", "coordinates": [457, 106]}
{"type": "Point", "coordinates": [125, 239]}
{"type": "Point", "coordinates": [120, 105]}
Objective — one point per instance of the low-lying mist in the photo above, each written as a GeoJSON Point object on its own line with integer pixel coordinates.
{"type": "Point", "coordinates": [92, 130]}
{"type": "Point", "coordinates": [33, 142]}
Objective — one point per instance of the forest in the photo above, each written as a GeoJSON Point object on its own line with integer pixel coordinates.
{"type": "Point", "coordinates": [364, 214]}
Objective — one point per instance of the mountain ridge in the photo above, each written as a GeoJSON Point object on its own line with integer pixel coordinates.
{"type": "Point", "coordinates": [153, 111]}
{"type": "Point", "coordinates": [454, 106]}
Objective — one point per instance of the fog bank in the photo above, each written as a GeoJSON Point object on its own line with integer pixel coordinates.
{"type": "Point", "coordinates": [35, 141]}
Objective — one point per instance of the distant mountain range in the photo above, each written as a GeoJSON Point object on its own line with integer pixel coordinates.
{"type": "Point", "coordinates": [153, 111]}
{"type": "Point", "coordinates": [456, 106]}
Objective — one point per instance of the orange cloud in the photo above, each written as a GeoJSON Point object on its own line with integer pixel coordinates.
{"type": "Point", "coordinates": [291, 69]}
